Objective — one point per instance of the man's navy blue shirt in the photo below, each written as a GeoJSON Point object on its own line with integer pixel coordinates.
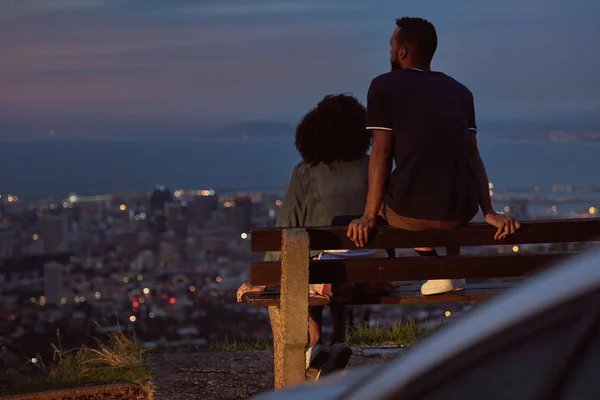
{"type": "Point", "coordinates": [431, 116]}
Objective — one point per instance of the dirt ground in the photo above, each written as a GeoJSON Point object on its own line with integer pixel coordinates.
{"type": "Point", "coordinates": [106, 392]}
{"type": "Point", "coordinates": [234, 375]}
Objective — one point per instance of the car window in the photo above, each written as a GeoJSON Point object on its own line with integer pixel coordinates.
{"type": "Point", "coordinates": [516, 371]}
{"type": "Point", "coordinates": [584, 382]}
{"type": "Point", "coordinates": [514, 364]}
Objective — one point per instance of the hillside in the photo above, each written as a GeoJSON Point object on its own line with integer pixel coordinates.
{"type": "Point", "coordinates": [255, 130]}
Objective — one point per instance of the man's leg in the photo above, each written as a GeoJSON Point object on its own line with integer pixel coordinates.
{"type": "Point", "coordinates": [315, 322]}
{"type": "Point", "coordinates": [338, 317]}
{"type": "Point", "coordinates": [459, 284]}
{"type": "Point", "coordinates": [434, 286]}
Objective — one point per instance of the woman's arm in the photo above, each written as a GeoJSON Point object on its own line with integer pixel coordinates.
{"type": "Point", "coordinates": [293, 210]}
{"type": "Point", "coordinates": [292, 214]}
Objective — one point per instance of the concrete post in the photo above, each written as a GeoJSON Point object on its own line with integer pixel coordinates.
{"type": "Point", "coordinates": [275, 317]}
{"type": "Point", "coordinates": [290, 331]}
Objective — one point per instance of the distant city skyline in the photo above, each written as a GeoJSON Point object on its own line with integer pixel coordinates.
{"type": "Point", "coordinates": [102, 68]}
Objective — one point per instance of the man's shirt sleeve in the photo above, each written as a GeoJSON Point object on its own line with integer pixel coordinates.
{"type": "Point", "coordinates": [472, 124]}
{"type": "Point", "coordinates": [378, 112]}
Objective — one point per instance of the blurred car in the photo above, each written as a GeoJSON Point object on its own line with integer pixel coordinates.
{"type": "Point", "coordinates": [540, 340]}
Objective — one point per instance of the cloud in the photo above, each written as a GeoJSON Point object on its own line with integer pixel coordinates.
{"type": "Point", "coordinates": [86, 64]}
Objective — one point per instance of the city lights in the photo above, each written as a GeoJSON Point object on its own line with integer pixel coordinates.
{"type": "Point", "coordinates": [147, 254]}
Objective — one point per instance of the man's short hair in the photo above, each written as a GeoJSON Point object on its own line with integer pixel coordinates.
{"type": "Point", "coordinates": [418, 34]}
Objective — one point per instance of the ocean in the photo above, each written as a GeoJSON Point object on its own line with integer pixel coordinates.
{"type": "Point", "coordinates": [48, 168]}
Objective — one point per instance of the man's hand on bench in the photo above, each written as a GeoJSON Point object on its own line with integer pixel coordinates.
{"type": "Point", "coordinates": [506, 225]}
{"type": "Point", "coordinates": [358, 230]}
{"type": "Point", "coordinates": [247, 288]}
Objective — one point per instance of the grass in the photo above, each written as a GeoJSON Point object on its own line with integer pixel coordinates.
{"type": "Point", "coordinates": [400, 334]}
{"type": "Point", "coordinates": [242, 345]}
{"type": "Point", "coordinates": [119, 359]}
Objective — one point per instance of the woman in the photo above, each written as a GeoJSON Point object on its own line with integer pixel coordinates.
{"type": "Point", "coordinates": [329, 183]}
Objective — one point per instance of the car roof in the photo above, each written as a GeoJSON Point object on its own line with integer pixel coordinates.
{"type": "Point", "coordinates": [572, 278]}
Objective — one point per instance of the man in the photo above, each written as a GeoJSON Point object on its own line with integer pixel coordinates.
{"type": "Point", "coordinates": [425, 120]}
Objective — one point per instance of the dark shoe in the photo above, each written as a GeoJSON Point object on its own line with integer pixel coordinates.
{"type": "Point", "coordinates": [316, 356]}
{"type": "Point", "coordinates": [339, 355]}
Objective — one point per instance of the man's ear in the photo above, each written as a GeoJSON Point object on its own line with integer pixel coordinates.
{"type": "Point", "coordinates": [402, 53]}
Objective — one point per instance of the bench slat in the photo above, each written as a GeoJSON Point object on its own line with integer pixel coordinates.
{"type": "Point", "coordinates": [476, 234]}
{"type": "Point", "coordinates": [413, 295]}
{"type": "Point", "coordinates": [412, 268]}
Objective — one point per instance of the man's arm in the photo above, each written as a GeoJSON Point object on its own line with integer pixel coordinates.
{"type": "Point", "coordinates": [380, 165]}
{"type": "Point", "coordinates": [506, 225]}
{"type": "Point", "coordinates": [480, 175]}
{"type": "Point", "coordinates": [379, 121]}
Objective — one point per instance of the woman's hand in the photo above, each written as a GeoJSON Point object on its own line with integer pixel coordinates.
{"type": "Point", "coordinates": [248, 288]}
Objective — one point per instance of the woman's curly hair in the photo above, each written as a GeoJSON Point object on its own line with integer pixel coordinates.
{"type": "Point", "coordinates": [333, 131]}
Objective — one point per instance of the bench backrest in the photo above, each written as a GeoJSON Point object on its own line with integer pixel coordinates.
{"type": "Point", "coordinates": [421, 268]}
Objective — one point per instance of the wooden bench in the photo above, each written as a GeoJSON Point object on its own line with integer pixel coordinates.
{"type": "Point", "coordinates": [288, 309]}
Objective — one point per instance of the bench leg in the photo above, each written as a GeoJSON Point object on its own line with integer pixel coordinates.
{"type": "Point", "coordinates": [275, 317]}
{"type": "Point", "coordinates": [291, 330]}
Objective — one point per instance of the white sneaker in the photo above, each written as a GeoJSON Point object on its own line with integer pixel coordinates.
{"type": "Point", "coordinates": [437, 286]}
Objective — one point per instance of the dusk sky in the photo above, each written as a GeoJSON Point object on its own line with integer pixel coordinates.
{"type": "Point", "coordinates": [103, 68]}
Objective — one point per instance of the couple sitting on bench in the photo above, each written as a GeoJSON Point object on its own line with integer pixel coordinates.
{"type": "Point", "coordinates": [425, 122]}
